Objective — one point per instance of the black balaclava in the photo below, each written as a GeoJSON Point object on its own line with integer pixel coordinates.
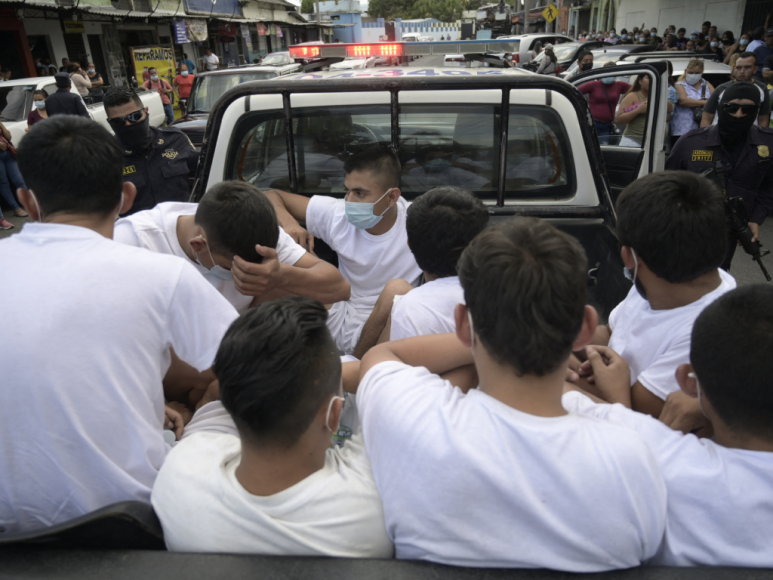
{"type": "Point", "coordinates": [734, 130]}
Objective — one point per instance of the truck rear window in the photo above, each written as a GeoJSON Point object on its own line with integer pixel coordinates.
{"type": "Point", "coordinates": [439, 144]}
{"type": "Point", "coordinates": [208, 89]}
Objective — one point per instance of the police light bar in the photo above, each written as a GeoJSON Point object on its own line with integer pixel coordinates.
{"type": "Point", "coordinates": [341, 50]}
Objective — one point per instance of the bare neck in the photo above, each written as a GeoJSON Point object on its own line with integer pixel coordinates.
{"type": "Point", "coordinates": [663, 295]}
{"type": "Point", "coordinates": [102, 225]}
{"type": "Point", "coordinates": [726, 437]}
{"type": "Point", "coordinates": [186, 230]}
{"type": "Point", "coordinates": [540, 396]}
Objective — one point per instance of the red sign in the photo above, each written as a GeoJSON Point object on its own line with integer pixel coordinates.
{"type": "Point", "coordinates": [262, 29]}
{"type": "Point", "coordinates": [304, 51]}
{"type": "Point", "coordinates": [226, 28]}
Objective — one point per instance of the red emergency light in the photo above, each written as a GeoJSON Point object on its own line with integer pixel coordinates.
{"type": "Point", "coordinates": [379, 49]}
{"type": "Point", "coordinates": [304, 51]}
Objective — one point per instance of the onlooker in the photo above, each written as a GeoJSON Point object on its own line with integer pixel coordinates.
{"type": "Point", "coordinates": [633, 112]}
{"type": "Point", "coordinates": [256, 473]}
{"type": "Point", "coordinates": [743, 71]}
{"type": "Point", "coordinates": [603, 97]}
{"type": "Point", "coordinates": [728, 40]}
{"type": "Point", "coordinates": [548, 64]}
{"type": "Point", "coordinates": [537, 50]}
{"type": "Point", "coordinates": [694, 92]}
{"type": "Point", "coordinates": [65, 65]}
{"type": "Point", "coordinates": [38, 112]}
{"type": "Point", "coordinates": [64, 101]}
{"type": "Point", "coordinates": [189, 63]}
{"type": "Point", "coordinates": [763, 52]}
{"type": "Point", "coordinates": [210, 60]}
{"type": "Point", "coordinates": [727, 378]}
{"type": "Point", "coordinates": [689, 46]}
{"type": "Point", "coordinates": [183, 83]}
{"type": "Point", "coordinates": [51, 68]}
{"type": "Point", "coordinates": [757, 36]}
{"type": "Point", "coordinates": [651, 328]}
{"type": "Point", "coordinates": [40, 69]}
{"type": "Point", "coordinates": [79, 78]}
{"type": "Point", "coordinates": [164, 89]}
{"type": "Point", "coordinates": [9, 174]}
{"type": "Point", "coordinates": [679, 40]}
{"type": "Point", "coordinates": [525, 286]}
{"type": "Point", "coordinates": [714, 49]}
{"type": "Point", "coordinates": [104, 444]}
{"type": "Point", "coordinates": [96, 83]}
{"type": "Point", "coordinates": [705, 28]}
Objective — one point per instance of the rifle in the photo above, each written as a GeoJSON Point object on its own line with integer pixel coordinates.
{"type": "Point", "coordinates": [737, 219]}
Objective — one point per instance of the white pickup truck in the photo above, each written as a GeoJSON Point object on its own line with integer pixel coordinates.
{"type": "Point", "coordinates": [16, 104]}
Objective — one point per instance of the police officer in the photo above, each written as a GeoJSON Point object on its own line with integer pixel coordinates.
{"type": "Point", "coordinates": [743, 149]}
{"type": "Point", "coordinates": [158, 161]}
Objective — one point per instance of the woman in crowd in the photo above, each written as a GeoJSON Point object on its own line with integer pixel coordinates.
{"type": "Point", "coordinates": [738, 46]}
{"type": "Point", "coordinates": [38, 112]}
{"type": "Point", "coordinates": [96, 83]}
{"type": "Point", "coordinates": [690, 46]}
{"type": "Point", "coordinates": [603, 96]}
{"type": "Point", "coordinates": [714, 48]}
{"type": "Point", "coordinates": [633, 112]}
{"type": "Point", "coordinates": [182, 84]}
{"type": "Point", "coordinates": [549, 62]}
{"type": "Point", "coordinates": [727, 41]}
{"type": "Point", "coordinates": [80, 79]}
{"type": "Point", "coordinates": [10, 176]}
{"type": "Point", "coordinates": [694, 91]}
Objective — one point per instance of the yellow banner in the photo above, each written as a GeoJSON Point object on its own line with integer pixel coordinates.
{"type": "Point", "coordinates": [156, 57]}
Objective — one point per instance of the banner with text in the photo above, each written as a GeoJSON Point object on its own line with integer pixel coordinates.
{"type": "Point", "coordinates": [157, 57]}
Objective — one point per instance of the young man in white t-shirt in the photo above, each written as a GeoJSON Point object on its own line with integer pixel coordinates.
{"type": "Point", "coordinates": [440, 224]}
{"type": "Point", "coordinates": [672, 229]}
{"type": "Point", "coordinates": [720, 505]}
{"type": "Point", "coordinates": [85, 347]}
{"type": "Point", "coordinates": [366, 229]}
{"type": "Point", "coordinates": [210, 60]}
{"type": "Point", "coordinates": [255, 473]}
{"type": "Point", "coordinates": [232, 238]}
{"type": "Point", "coordinates": [502, 476]}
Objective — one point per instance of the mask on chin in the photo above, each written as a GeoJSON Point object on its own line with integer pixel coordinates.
{"type": "Point", "coordinates": [136, 137]}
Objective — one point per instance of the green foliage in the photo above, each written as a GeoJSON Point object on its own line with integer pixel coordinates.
{"type": "Point", "coordinates": [443, 10]}
{"type": "Point", "coordinates": [308, 7]}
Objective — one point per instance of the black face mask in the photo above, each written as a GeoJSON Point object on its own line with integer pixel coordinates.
{"type": "Point", "coordinates": [136, 137]}
{"type": "Point", "coordinates": [586, 66]}
{"type": "Point", "coordinates": [735, 130]}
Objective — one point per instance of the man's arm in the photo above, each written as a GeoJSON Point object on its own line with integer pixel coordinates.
{"type": "Point", "coordinates": [309, 277]}
{"type": "Point", "coordinates": [644, 401]}
{"type": "Point", "coordinates": [291, 209]}
{"type": "Point", "coordinates": [439, 353]}
{"type": "Point", "coordinates": [379, 317]}
{"type": "Point", "coordinates": [185, 384]}
{"type": "Point", "coordinates": [82, 110]}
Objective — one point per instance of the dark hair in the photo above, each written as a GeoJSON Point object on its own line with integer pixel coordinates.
{"type": "Point", "coordinates": [747, 54]}
{"type": "Point", "coordinates": [730, 340]}
{"type": "Point", "coordinates": [152, 68]}
{"type": "Point", "coordinates": [675, 221]}
{"type": "Point", "coordinates": [277, 365]}
{"type": "Point", "coordinates": [73, 67]}
{"type": "Point", "coordinates": [757, 32]}
{"type": "Point", "coordinates": [583, 54]}
{"type": "Point", "coordinates": [707, 23]}
{"type": "Point", "coordinates": [440, 224]}
{"type": "Point", "coordinates": [636, 86]}
{"type": "Point", "coordinates": [236, 216]}
{"type": "Point", "coordinates": [681, 30]}
{"type": "Point", "coordinates": [119, 96]}
{"type": "Point", "coordinates": [730, 36]}
{"type": "Point", "coordinates": [47, 157]}
{"type": "Point", "coordinates": [380, 161]}
{"type": "Point", "coordinates": [185, 55]}
{"type": "Point", "coordinates": [40, 92]}
{"type": "Point", "coordinates": [525, 285]}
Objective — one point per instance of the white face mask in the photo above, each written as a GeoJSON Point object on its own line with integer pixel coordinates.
{"type": "Point", "coordinates": [327, 416]}
{"type": "Point", "coordinates": [215, 270]}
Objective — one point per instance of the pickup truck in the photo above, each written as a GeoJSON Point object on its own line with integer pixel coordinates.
{"type": "Point", "coordinates": [16, 104]}
{"type": "Point", "coordinates": [524, 143]}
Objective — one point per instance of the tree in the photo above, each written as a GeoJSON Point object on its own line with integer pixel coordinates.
{"type": "Point", "coordinates": [443, 10]}
{"type": "Point", "coordinates": [307, 7]}
{"type": "Point", "coordinates": [389, 9]}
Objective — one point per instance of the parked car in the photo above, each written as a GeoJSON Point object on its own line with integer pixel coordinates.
{"type": "Point", "coordinates": [276, 59]}
{"type": "Point", "coordinates": [354, 62]}
{"type": "Point", "coordinates": [609, 53]}
{"type": "Point", "coordinates": [527, 42]}
{"type": "Point", "coordinates": [16, 104]}
{"type": "Point", "coordinates": [714, 71]}
{"type": "Point", "coordinates": [209, 86]}
{"type": "Point", "coordinates": [566, 54]}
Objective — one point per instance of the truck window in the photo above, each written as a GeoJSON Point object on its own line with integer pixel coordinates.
{"type": "Point", "coordinates": [208, 89]}
{"type": "Point", "coordinates": [14, 101]}
{"type": "Point", "coordinates": [440, 144]}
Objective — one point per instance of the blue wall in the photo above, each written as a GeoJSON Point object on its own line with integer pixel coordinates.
{"type": "Point", "coordinates": [347, 34]}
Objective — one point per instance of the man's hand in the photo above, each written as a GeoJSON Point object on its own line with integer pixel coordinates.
{"type": "Point", "coordinates": [300, 235]}
{"type": "Point", "coordinates": [683, 413]}
{"type": "Point", "coordinates": [3, 146]}
{"type": "Point", "coordinates": [611, 374]}
{"type": "Point", "coordinates": [258, 279]}
{"type": "Point", "coordinates": [755, 228]}
{"type": "Point", "coordinates": [174, 420]}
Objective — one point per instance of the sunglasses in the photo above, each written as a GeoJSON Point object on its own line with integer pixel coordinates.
{"type": "Point", "coordinates": [732, 108]}
{"type": "Point", "coordinates": [134, 117]}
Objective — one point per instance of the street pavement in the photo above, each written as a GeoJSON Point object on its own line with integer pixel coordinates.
{"type": "Point", "coordinates": [745, 270]}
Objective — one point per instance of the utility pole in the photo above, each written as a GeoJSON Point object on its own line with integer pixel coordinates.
{"type": "Point", "coordinates": [526, 16]}
{"type": "Point", "coordinates": [319, 22]}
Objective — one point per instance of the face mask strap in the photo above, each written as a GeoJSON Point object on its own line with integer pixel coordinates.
{"type": "Point", "coordinates": [35, 199]}
{"type": "Point", "coordinates": [380, 198]}
{"type": "Point", "coordinates": [692, 375]}
{"type": "Point", "coordinates": [330, 408]}
{"type": "Point", "coordinates": [472, 330]}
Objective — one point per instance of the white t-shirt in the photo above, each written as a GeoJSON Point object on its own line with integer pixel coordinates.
{"type": "Point", "coordinates": [336, 511]}
{"type": "Point", "coordinates": [720, 505]}
{"type": "Point", "coordinates": [428, 309]}
{"type": "Point", "coordinates": [468, 481]}
{"type": "Point", "coordinates": [655, 342]}
{"type": "Point", "coordinates": [85, 347]}
{"type": "Point", "coordinates": [211, 61]}
{"type": "Point", "coordinates": [368, 262]}
{"type": "Point", "coordinates": [156, 230]}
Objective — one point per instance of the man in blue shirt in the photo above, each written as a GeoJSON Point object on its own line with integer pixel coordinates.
{"type": "Point", "coordinates": [189, 63]}
{"type": "Point", "coordinates": [764, 52]}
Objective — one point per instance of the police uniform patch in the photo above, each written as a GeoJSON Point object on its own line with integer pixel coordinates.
{"type": "Point", "coordinates": [170, 154]}
{"type": "Point", "coordinates": [160, 141]}
{"type": "Point", "coordinates": [701, 155]}
{"type": "Point", "coordinates": [763, 151]}
{"type": "Point", "coordinates": [129, 169]}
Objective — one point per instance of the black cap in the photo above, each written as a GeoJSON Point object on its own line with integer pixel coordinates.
{"type": "Point", "coordinates": [62, 79]}
{"type": "Point", "coordinates": [769, 32]}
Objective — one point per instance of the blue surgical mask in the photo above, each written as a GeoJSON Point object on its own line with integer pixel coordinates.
{"type": "Point", "coordinates": [154, 77]}
{"type": "Point", "coordinates": [608, 80]}
{"type": "Point", "coordinates": [91, 70]}
{"type": "Point", "coordinates": [627, 273]}
{"type": "Point", "coordinates": [692, 79]}
{"type": "Point", "coordinates": [744, 42]}
{"type": "Point", "coordinates": [361, 215]}
{"type": "Point", "coordinates": [693, 37]}
{"type": "Point", "coordinates": [184, 73]}
{"type": "Point", "coordinates": [39, 104]}
{"type": "Point", "coordinates": [714, 44]}
{"type": "Point", "coordinates": [216, 271]}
